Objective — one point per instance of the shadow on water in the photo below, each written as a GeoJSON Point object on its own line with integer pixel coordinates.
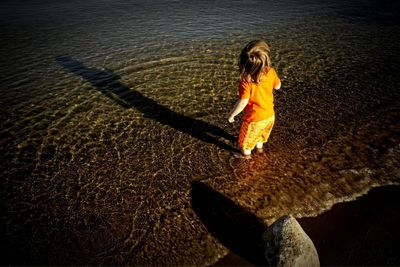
{"type": "Point", "coordinates": [237, 229]}
{"type": "Point", "coordinates": [108, 83]}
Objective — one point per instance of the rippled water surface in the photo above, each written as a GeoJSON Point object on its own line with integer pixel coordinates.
{"type": "Point", "coordinates": [113, 112]}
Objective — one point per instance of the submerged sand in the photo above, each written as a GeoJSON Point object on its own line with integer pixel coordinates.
{"type": "Point", "coordinates": [115, 149]}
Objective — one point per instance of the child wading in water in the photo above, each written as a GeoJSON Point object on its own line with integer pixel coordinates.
{"type": "Point", "coordinates": [258, 80]}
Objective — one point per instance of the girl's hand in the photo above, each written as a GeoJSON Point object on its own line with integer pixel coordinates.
{"type": "Point", "coordinates": [239, 106]}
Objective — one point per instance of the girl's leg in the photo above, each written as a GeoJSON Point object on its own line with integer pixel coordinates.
{"type": "Point", "coordinates": [267, 130]}
{"type": "Point", "coordinates": [250, 136]}
{"type": "Point", "coordinates": [245, 133]}
{"type": "Point", "coordinates": [259, 145]}
{"type": "Point", "coordinates": [246, 152]}
{"type": "Point", "coordinates": [246, 138]}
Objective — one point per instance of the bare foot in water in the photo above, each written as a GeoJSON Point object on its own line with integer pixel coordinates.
{"type": "Point", "coordinates": [240, 155]}
{"type": "Point", "coordinates": [259, 147]}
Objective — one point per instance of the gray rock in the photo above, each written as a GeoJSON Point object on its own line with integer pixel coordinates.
{"type": "Point", "coordinates": [286, 244]}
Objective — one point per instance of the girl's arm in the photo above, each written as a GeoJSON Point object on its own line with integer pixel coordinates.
{"type": "Point", "coordinates": [239, 106]}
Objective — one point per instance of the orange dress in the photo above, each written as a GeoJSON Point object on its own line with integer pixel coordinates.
{"type": "Point", "coordinates": [259, 114]}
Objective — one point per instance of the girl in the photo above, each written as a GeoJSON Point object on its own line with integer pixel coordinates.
{"type": "Point", "coordinates": [258, 80]}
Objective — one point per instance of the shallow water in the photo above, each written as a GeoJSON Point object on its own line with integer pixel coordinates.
{"type": "Point", "coordinates": [110, 110]}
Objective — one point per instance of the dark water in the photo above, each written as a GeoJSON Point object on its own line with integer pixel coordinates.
{"type": "Point", "coordinates": [111, 110]}
{"type": "Point", "coordinates": [359, 233]}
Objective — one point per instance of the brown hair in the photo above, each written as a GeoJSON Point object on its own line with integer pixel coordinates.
{"type": "Point", "coordinates": [253, 60]}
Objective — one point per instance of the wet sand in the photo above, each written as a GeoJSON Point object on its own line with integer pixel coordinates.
{"type": "Point", "coordinates": [361, 232]}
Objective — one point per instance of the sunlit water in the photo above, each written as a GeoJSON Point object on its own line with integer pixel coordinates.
{"type": "Point", "coordinates": [111, 109]}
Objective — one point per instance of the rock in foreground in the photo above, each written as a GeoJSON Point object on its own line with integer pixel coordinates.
{"type": "Point", "coordinates": [286, 244]}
